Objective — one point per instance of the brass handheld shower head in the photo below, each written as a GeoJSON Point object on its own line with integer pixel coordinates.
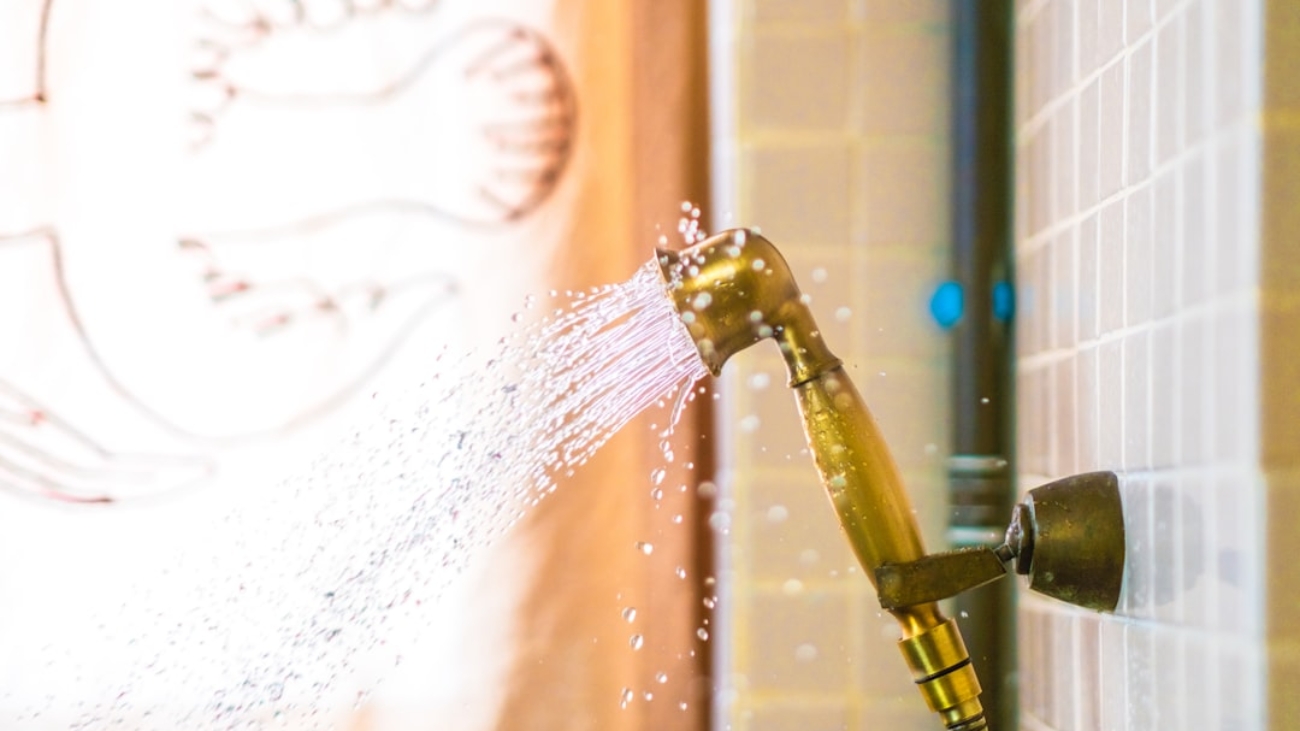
{"type": "Point", "coordinates": [735, 289]}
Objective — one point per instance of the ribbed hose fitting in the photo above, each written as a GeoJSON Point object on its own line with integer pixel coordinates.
{"type": "Point", "coordinates": [942, 670]}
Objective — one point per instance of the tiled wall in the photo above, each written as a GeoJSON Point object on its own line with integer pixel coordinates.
{"type": "Point", "coordinates": [830, 127]}
{"type": "Point", "coordinates": [1138, 257]}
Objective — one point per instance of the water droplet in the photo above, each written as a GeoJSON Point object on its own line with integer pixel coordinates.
{"type": "Point", "coordinates": [842, 314]}
{"type": "Point", "coordinates": [819, 275]}
{"type": "Point", "coordinates": [681, 573]}
{"type": "Point", "coordinates": [646, 548]}
{"type": "Point", "coordinates": [750, 424]}
{"type": "Point", "coordinates": [707, 490]}
{"type": "Point", "coordinates": [702, 301]}
{"type": "Point", "coordinates": [710, 602]}
{"type": "Point", "coordinates": [657, 477]}
{"type": "Point", "coordinates": [759, 265]}
{"type": "Point", "coordinates": [984, 400]}
{"type": "Point", "coordinates": [686, 206]}
{"type": "Point", "coordinates": [678, 518]}
{"type": "Point", "coordinates": [648, 695]}
{"type": "Point", "coordinates": [661, 678]}
{"type": "Point", "coordinates": [720, 522]}
{"type": "Point", "coordinates": [965, 614]}
{"type": "Point", "coordinates": [702, 633]}
{"type": "Point", "coordinates": [777, 514]}
{"type": "Point", "coordinates": [681, 706]}
{"type": "Point", "coordinates": [760, 381]}
{"type": "Point", "coordinates": [629, 614]}
{"type": "Point", "coordinates": [636, 642]}
{"type": "Point", "coordinates": [626, 697]}
{"type": "Point", "coordinates": [657, 494]}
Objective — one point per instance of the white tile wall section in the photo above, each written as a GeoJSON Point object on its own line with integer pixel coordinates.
{"type": "Point", "coordinates": [1137, 137]}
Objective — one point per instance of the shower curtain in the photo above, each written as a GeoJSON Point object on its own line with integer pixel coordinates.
{"type": "Point", "coordinates": [224, 223]}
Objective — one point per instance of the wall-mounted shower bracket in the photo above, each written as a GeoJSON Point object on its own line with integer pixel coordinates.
{"type": "Point", "coordinates": [1066, 536]}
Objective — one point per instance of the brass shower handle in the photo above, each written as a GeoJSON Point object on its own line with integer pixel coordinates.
{"type": "Point", "coordinates": [1066, 536]}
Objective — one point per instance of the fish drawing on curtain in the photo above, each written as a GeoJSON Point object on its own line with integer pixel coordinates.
{"type": "Point", "coordinates": [323, 151]}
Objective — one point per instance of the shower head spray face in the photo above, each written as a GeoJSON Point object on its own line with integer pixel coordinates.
{"type": "Point", "coordinates": [735, 289]}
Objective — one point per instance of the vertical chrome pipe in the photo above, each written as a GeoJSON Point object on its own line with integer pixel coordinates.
{"type": "Point", "coordinates": [980, 482]}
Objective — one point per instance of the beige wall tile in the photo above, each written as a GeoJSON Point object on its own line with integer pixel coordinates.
{"type": "Point", "coordinates": [903, 73]}
{"type": "Point", "coordinates": [799, 195]}
{"type": "Point", "coordinates": [799, 643]}
{"type": "Point", "coordinates": [902, 190]}
{"type": "Point", "coordinates": [795, 81]}
{"type": "Point", "coordinates": [791, 12]}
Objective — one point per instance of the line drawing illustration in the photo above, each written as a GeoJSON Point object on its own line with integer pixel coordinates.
{"type": "Point", "coordinates": [487, 117]}
{"type": "Point", "coordinates": [29, 21]}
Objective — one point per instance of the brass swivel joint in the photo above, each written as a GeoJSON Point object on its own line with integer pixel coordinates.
{"type": "Point", "coordinates": [735, 289]}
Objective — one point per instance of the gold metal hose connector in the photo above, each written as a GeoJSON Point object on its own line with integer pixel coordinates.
{"type": "Point", "coordinates": [735, 289]}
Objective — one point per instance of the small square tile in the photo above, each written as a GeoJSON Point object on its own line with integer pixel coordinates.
{"type": "Point", "coordinates": [1193, 389]}
{"type": "Point", "coordinates": [1139, 563]}
{"type": "Point", "coordinates": [1137, 402]}
{"type": "Point", "coordinates": [1138, 257]}
{"type": "Point", "coordinates": [1064, 40]}
{"type": "Point", "coordinates": [1090, 145]}
{"type": "Point", "coordinates": [795, 82]}
{"type": "Point", "coordinates": [800, 716]}
{"type": "Point", "coordinates": [1063, 634]}
{"type": "Point", "coordinates": [1170, 696]}
{"type": "Point", "coordinates": [918, 11]}
{"type": "Point", "coordinates": [1040, 180]}
{"type": "Point", "coordinates": [1089, 16]}
{"type": "Point", "coordinates": [1167, 547]}
{"type": "Point", "coordinates": [1111, 266]}
{"type": "Point", "coordinates": [1167, 250]}
{"type": "Point", "coordinates": [1196, 66]}
{"type": "Point", "coordinates": [904, 188]}
{"type": "Point", "coordinates": [799, 643]}
{"type": "Point", "coordinates": [1065, 418]}
{"type": "Point", "coordinates": [1165, 364]}
{"type": "Point", "coordinates": [1140, 654]}
{"type": "Point", "coordinates": [1110, 29]}
{"type": "Point", "coordinates": [1110, 141]}
{"type": "Point", "coordinates": [1169, 90]}
{"type": "Point", "coordinates": [1236, 60]}
{"type": "Point", "coordinates": [1088, 282]}
{"type": "Point", "coordinates": [1089, 439]}
{"type": "Point", "coordinates": [897, 321]}
{"type": "Point", "coordinates": [1063, 291]}
{"type": "Point", "coordinates": [1112, 404]}
{"type": "Point", "coordinates": [1114, 676]}
{"type": "Point", "coordinates": [793, 534]}
{"type": "Point", "coordinates": [1064, 164]}
{"type": "Point", "coordinates": [1138, 21]}
{"type": "Point", "coordinates": [1196, 258]}
{"type": "Point", "coordinates": [1138, 128]}
{"type": "Point", "coordinates": [1234, 367]}
{"type": "Point", "coordinates": [909, 407]}
{"type": "Point", "coordinates": [799, 195]}
{"type": "Point", "coordinates": [1087, 669]}
{"type": "Point", "coordinates": [785, 12]}
{"type": "Point", "coordinates": [904, 82]}
{"type": "Point", "coordinates": [1236, 261]}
